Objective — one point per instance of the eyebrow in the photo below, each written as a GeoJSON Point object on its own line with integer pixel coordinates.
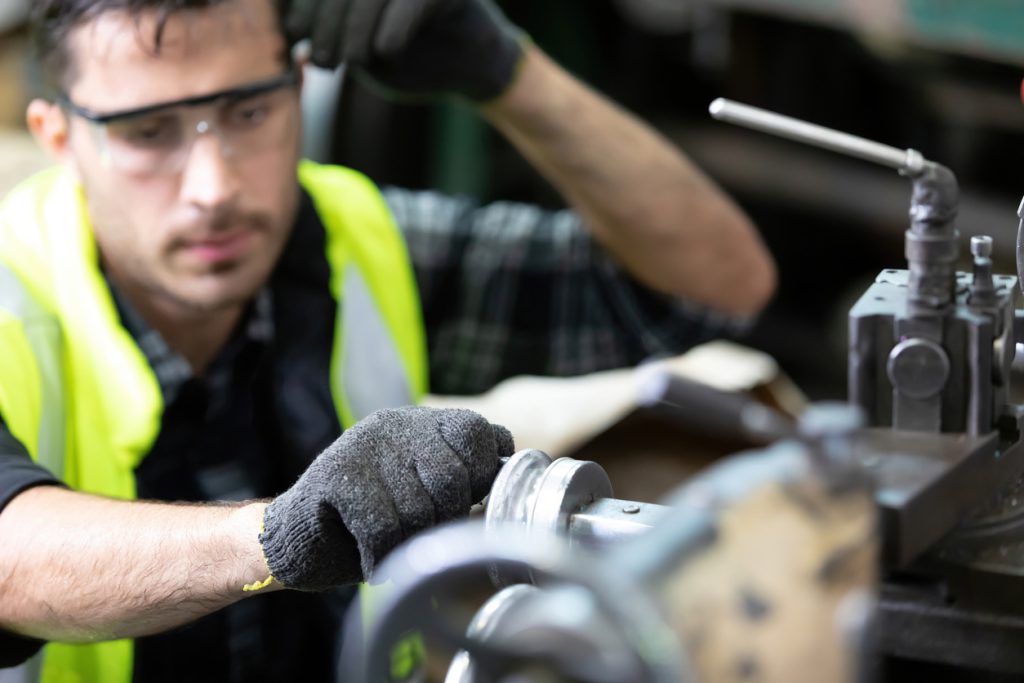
{"type": "Point", "coordinates": [289, 78]}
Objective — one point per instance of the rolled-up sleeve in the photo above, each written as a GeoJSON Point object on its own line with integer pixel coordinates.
{"type": "Point", "coordinates": [17, 470]}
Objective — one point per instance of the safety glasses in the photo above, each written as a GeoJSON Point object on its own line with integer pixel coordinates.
{"type": "Point", "coordinates": [157, 139]}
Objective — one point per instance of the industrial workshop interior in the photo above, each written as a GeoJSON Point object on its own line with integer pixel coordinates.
{"type": "Point", "coordinates": [239, 447]}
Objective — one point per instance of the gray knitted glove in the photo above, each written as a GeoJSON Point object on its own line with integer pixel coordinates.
{"type": "Point", "coordinates": [412, 47]}
{"type": "Point", "coordinates": [393, 474]}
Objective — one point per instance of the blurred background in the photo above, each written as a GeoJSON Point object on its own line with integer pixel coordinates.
{"type": "Point", "coordinates": [940, 76]}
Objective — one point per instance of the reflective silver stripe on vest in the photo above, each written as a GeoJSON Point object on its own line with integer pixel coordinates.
{"type": "Point", "coordinates": [29, 672]}
{"type": "Point", "coordinates": [44, 337]}
{"type": "Point", "coordinates": [373, 375]}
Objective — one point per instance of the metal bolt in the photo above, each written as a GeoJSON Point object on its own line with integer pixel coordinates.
{"type": "Point", "coordinates": [631, 509]}
{"type": "Point", "coordinates": [918, 368]}
{"type": "Point", "coordinates": [981, 246]}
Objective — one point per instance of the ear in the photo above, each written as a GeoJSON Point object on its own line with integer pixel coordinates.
{"type": "Point", "coordinates": [49, 126]}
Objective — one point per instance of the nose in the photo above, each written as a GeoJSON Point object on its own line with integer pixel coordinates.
{"type": "Point", "coordinates": [209, 179]}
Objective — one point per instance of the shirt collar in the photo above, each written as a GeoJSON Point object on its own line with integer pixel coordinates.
{"type": "Point", "coordinates": [170, 367]}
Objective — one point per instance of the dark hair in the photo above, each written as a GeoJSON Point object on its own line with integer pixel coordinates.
{"type": "Point", "coordinates": [52, 21]}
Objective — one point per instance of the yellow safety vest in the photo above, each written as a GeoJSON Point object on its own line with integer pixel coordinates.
{"type": "Point", "coordinates": [77, 391]}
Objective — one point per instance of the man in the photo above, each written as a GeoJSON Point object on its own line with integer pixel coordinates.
{"type": "Point", "coordinates": [184, 318]}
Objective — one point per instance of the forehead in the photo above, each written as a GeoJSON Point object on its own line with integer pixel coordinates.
{"type": "Point", "coordinates": [117, 63]}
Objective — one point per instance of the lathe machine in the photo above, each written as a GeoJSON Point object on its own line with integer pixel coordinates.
{"type": "Point", "coordinates": [888, 527]}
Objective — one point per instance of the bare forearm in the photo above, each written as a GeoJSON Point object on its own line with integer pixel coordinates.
{"type": "Point", "coordinates": [78, 568]}
{"type": "Point", "coordinates": [653, 209]}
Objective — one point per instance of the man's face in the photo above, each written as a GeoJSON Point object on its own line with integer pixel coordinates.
{"type": "Point", "coordinates": [202, 233]}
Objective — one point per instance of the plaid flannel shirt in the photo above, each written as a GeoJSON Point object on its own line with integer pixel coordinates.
{"type": "Point", "coordinates": [510, 289]}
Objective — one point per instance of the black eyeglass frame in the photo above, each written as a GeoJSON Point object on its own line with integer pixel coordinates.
{"type": "Point", "coordinates": [287, 79]}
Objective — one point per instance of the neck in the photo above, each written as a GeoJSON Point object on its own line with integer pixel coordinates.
{"type": "Point", "coordinates": [197, 335]}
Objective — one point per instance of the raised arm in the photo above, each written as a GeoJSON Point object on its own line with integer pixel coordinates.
{"type": "Point", "coordinates": [667, 223]}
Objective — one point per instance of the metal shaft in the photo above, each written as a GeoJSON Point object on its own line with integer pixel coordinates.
{"type": "Point", "coordinates": [607, 521]}
{"type": "Point", "coordinates": [907, 161]}
{"type": "Point", "coordinates": [566, 498]}
{"type": "Point", "coordinates": [706, 410]}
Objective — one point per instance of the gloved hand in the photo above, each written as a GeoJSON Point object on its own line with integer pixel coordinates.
{"type": "Point", "coordinates": [414, 47]}
{"type": "Point", "coordinates": [393, 474]}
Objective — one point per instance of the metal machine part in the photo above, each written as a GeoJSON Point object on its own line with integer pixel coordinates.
{"type": "Point", "coordinates": [765, 566]}
{"type": "Point", "coordinates": [624, 635]}
{"type": "Point", "coordinates": [703, 409]}
{"type": "Point", "coordinates": [930, 349]}
{"type": "Point", "coordinates": [929, 362]}
{"type": "Point", "coordinates": [485, 626]}
{"type": "Point", "coordinates": [785, 591]}
{"type": "Point", "coordinates": [931, 241]}
{"type": "Point", "coordinates": [926, 483]}
{"type": "Point", "coordinates": [529, 619]}
{"type": "Point", "coordinates": [906, 161]}
{"type": "Point", "coordinates": [982, 288]}
{"type": "Point", "coordinates": [695, 596]}
{"type": "Point", "coordinates": [566, 498]}
{"type": "Point", "coordinates": [954, 381]}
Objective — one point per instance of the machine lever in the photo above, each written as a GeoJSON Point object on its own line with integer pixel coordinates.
{"type": "Point", "coordinates": [909, 162]}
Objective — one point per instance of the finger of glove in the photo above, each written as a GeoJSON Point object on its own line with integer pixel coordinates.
{"type": "Point", "coordinates": [417, 446]}
{"type": "Point", "coordinates": [366, 506]}
{"type": "Point", "coordinates": [298, 17]}
{"type": "Point", "coordinates": [399, 23]}
{"type": "Point", "coordinates": [478, 443]}
{"type": "Point", "coordinates": [445, 478]}
{"type": "Point", "coordinates": [395, 457]}
{"type": "Point", "coordinates": [327, 33]}
{"type": "Point", "coordinates": [389, 440]}
{"type": "Point", "coordinates": [361, 26]}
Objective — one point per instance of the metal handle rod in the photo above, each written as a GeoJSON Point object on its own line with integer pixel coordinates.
{"type": "Point", "coordinates": [706, 410]}
{"type": "Point", "coordinates": [908, 161]}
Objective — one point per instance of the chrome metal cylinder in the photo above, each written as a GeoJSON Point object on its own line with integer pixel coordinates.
{"type": "Point", "coordinates": [567, 498]}
{"type": "Point", "coordinates": [907, 161]}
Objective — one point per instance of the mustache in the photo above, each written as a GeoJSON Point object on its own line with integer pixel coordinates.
{"type": "Point", "coordinates": [219, 224]}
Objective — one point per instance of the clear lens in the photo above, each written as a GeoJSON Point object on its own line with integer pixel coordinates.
{"type": "Point", "coordinates": [160, 142]}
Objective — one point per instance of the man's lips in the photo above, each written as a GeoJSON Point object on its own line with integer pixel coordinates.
{"type": "Point", "coordinates": [227, 246]}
